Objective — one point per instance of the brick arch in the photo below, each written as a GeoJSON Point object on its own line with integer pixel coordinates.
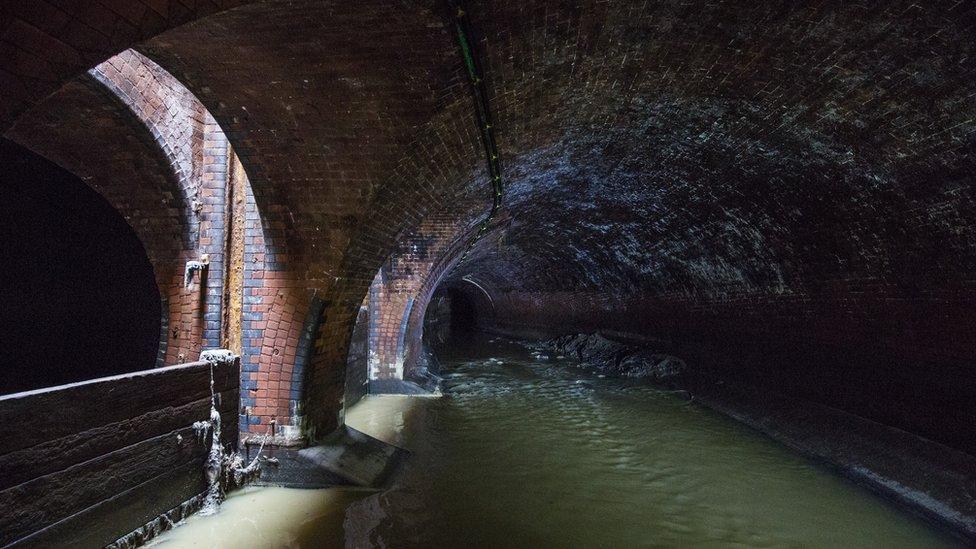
{"type": "Point", "coordinates": [212, 179]}
{"type": "Point", "coordinates": [48, 44]}
{"type": "Point", "coordinates": [198, 158]}
{"type": "Point", "coordinates": [799, 217]}
{"type": "Point", "coordinates": [440, 276]}
{"type": "Point", "coordinates": [175, 119]}
{"type": "Point", "coordinates": [346, 147]}
{"type": "Point", "coordinates": [89, 132]}
{"type": "Point", "coordinates": [423, 261]}
{"type": "Point", "coordinates": [401, 290]}
{"type": "Point", "coordinates": [144, 142]}
{"type": "Point", "coordinates": [398, 297]}
{"type": "Point", "coordinates": [685, 176]}
{"type": "Point", "coordinates": [703, 158]}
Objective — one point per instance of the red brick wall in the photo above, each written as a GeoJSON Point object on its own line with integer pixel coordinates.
{"type": "Point", "coordinates": [344, 154]}
{"type": "Point", "coordinates": [153, 150]}
{"type": "Point", "coordinates": [197, 152]}
{"type": "Point", "coordinates": [400, 292]}
{"type": "Point", "coordinates": [275, 310]}
{"type": "Point", "coordinates": [451, 245]}
{"type": "Point", "coordinates": [275, 302]}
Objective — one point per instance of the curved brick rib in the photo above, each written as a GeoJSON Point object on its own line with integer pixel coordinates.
{"type": "Point", "coordinates": [47, 44]}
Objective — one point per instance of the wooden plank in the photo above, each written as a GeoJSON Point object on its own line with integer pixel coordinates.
{"type": "Point", "coordinates": [47, 500]}
{"type": "Point", "coordinates": [107, 521]}
{"type": "Point", "coordinates": [31, 418]}
{"type": "Point", "coordinates": [51, 456]}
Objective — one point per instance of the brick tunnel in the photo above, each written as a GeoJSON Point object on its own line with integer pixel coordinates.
{"type": "Point", "coordinates": [779, 194]}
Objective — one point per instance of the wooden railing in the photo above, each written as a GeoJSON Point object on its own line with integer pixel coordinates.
{"type": "Point", "coordinates": [85, 463]}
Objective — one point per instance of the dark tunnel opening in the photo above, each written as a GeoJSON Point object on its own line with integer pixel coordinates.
{"type": "Point", "coordinates": [453, 317]}
{"type": "Point", "coordinates": [79, 297]}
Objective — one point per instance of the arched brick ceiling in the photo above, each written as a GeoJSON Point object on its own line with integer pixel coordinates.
{"type": "Point", "coordinates": [788, 184]}
{"type": "Point", "coordinates": [169, 111]}
{"type": "Point", "coordinates": [352, 119]}
{"type": "Point", "coordinates": [46, 43]}
{"type": "Point", "coordinates": [149, 148]}
{"type": "Point", "coordinates": [710, 163]}
{"type": "Point", "coordinates": [707, 148]}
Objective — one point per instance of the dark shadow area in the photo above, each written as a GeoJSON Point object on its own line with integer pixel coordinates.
{"type": "Point", "coordinates": [78, 298]}
{"type": "Point", "coordinates": [451, 318]}
{"type": "Point", "coordinates": [357, 367]}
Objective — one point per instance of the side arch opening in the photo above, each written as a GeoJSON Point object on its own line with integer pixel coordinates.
{"type": "Point", "coordinates": [79, 294]}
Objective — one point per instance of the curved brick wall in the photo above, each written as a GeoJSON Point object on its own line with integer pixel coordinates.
{"type": "Point", "coordinates": [781, 192]}
{"type": "Point", "coordinates": [196, 152]}
{"type": "Point", "coordinates": [677, 172]}
{"type": "Point", "coordinates": [796, 218]}
{"type": "Point", "coordinates": [783, 195]}
{"type": "Point", "coordinates": [401, 291]}
{"type": "Point", "coordinates": [152, 152]}
{"type": "Point", "coordinates": [347, 146]}
{"type": "Point", "coordinates": [177, 203]}
{"type": "Point", "coordinates": [47, 43]}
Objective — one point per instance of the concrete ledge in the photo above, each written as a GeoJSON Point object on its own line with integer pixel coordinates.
{"type": "Point", "coordinates": [347, 457]}
{"type": "Point", "coordinates": [934, 481]}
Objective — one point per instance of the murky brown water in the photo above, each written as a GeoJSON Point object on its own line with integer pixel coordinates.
{"type": "Point", "coordinates": [527, 453]}
{"type": "Point", "coordinates": [266, 517]}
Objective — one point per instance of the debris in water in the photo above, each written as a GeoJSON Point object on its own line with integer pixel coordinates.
{"type": "Point", "coordinates": [224, 470]}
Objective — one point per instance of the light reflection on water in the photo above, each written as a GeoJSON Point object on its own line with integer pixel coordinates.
{"type": "Point", "coordinates": [528, 453]}
{"type": "Point", "coordinates": [266, 518]}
